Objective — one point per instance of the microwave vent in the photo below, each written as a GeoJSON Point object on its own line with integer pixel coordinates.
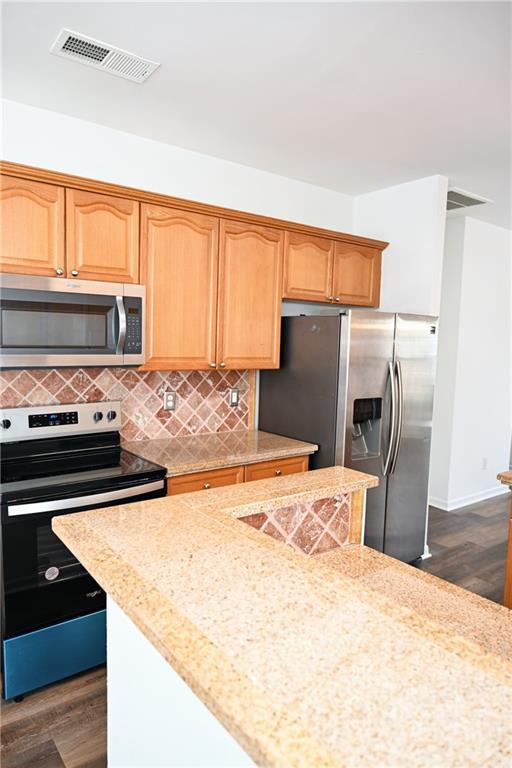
{"type": "Point", "coordinates": [459, 198]}
{"type": "Point", "coordinates": [94, 53]}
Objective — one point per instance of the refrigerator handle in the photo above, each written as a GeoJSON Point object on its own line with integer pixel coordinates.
{"type": "Point", "coordinates": [387, 461]}
{"type": "Point", "coordinates": [400, 389]}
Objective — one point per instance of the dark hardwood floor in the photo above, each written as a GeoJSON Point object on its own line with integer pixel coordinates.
{"type": "Point", "coordinates": [469, 546]}
{"type": "Point", "coordinates": [64, 725]}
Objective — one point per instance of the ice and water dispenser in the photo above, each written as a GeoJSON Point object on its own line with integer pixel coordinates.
{"type": "Point", "coordinates": [366, 427]}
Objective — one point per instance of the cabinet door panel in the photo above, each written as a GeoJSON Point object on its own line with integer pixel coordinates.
{"type": "Point", "coordinates": [250, 269]}
{"type": "Point", "coordinates": [203, 481]}
{"type": "Point", "coordinates": [356, 277]}
{"type": "Point", "coordinates": [32, 227]}
{"type": "Point", "coordinates": [275, 468]}
{"type": "Point", "coordinates": [179, 263]}
{"type": "Point", "coordinates": [307, 273]}
{"type": "Point", "coordinates": [102, 237]}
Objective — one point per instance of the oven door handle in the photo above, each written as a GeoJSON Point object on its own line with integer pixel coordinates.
{"type": "Point", "coordinates": [121, 311]}
{"type": "Point", "coordinates": [81, 501]}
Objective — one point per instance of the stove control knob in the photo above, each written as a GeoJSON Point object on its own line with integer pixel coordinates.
{"type": "Point", "coordinates": [98, 416]}
{"type": "Point", "coordinates": [6, 423]}
{"type": "Point", "coordinates": [111, 415]}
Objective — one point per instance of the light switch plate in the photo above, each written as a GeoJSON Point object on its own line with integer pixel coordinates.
{"type": "Point", "coordinates": [234, 397]}
{"type": "Point", "coordinates": [170, 399]}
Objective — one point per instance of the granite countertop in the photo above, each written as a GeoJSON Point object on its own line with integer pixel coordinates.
{"type": "Point", "coordinates": [194, 453]}
{"type": "Point", "coordinates": [342, 659]}
{"type": "Point", "coordinates": [506, 477]}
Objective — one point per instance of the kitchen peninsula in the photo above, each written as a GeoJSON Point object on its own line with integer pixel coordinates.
{"type": "Point", "coordinates": [287, 659]}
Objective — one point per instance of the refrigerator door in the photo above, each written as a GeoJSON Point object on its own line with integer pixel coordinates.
{"type": "Point", "coordinates": [407, 501]}
{"type": "Point", "coordinates": [367, 417]}
{"type": "Point", "coordinates": [300, 399]}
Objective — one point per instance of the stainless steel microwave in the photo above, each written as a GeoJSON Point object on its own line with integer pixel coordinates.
{"type": "Point", "coordinates": [48, 321]}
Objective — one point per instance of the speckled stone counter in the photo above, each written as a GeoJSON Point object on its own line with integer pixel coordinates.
{"type": "Point", "coordinates": [303, 663]}
{"type": "Point", "coordinates": [194, 453]}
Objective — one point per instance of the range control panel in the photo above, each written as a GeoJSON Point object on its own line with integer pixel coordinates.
{"type": "Point", "coordinates": [51, 421]}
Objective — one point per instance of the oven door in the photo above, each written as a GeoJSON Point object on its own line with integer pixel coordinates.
{"type": "Point", "coordinates": [54, 322]}
{"type": "Point", "coordinates": [43, 582]}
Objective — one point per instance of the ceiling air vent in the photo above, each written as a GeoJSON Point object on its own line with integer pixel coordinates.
{"type": "Point", "coordinates": [459, 198]}
{"type": "Point", "coordinates": [94, 53]}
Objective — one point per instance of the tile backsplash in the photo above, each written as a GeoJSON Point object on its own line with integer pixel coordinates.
{"type": "Point", "coordinates": [202, 404]}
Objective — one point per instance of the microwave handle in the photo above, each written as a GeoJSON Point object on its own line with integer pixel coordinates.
{"type": "Point", "coordinates": [122, 325]}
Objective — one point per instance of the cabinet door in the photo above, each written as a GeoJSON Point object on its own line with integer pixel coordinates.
{"type": "Point", "coordinates": [203, 481]}
{"type": "Point", "coordinates": [276, 468]}
{"type": "Point", "coordinates": [32, 230]}
{"type": "Point", "coordinates": [102, 237]}
{"type": "Point", "coordinates": [179, 263]}
{"type": "Point", "coordinates": [249, 319]}
{"type": "Point", "coordinates": [356, 276]}
{"type": "Point", "coordinates": [307, 272]}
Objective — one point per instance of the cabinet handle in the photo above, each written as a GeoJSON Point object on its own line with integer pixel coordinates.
{"type": "Point", "coordinates": [223, 365]}
{"type": "Point", "coordinates": [213, 365]}
{"type": "Point", "coordinates": [206, 486]}
{"type": "Point", "coordinates": [74, 272]}
{"type": "Point", "coordinates": [278, 471]}
{"type": "Point", "coordinates": [59, 271]}
{"type": "Point", "coordinates": [337, 298]}
{"type": "Point", "coordinates": [330, 298]}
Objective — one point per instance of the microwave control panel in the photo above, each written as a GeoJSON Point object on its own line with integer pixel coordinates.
{"type": "Point", "coordinates": [133, 343]}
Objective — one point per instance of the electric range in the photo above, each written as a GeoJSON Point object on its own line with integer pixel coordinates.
{"type": "Point", "coordinates": [58, 460]}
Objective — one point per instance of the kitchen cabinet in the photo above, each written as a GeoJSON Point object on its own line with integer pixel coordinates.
{"type": "Point", "coordinates": [356, 275]}
{"type": "Point", "coordinates": [102, 237]}
{"type": "Point", "coordinates": [198, 481]}
{"type": "Point", "coordinates": [216, 478]}
{"type": "Point", "coordinates": [32, 232]}
{"type": "Point", "coordinates": [307, 271]}
{"type": "Point", "coordinates": [265, 469]}
{"type": "Point", "coordinates": [179, 265]}
{"type": "Point", "coordinates": [249, 314]}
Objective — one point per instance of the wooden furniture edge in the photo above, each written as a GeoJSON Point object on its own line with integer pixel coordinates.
{"type": "Point", "coordinates": [355, 535]}
{"type": "Point", "coordinates": [58, 178]}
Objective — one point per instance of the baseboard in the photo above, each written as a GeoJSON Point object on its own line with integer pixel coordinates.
{"type": "Point", "coordinates": [448, 505]}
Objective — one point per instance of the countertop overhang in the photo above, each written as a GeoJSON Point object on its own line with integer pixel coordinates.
{"type": "Point", "coordinates": [302, 663]}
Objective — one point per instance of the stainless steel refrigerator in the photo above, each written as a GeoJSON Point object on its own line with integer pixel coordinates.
{"type": "Point", "coordinates": [361, 385]}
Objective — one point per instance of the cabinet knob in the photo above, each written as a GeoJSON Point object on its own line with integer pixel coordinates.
{"type": "Point", "coordinates": [206, 486]}
{"type": "Point", "coordinates": [74, 272]}
{"type": "Point", "coordinates": [330, 298]}
{"type": "Point", "coordinates": [278, 471]}
{"type": "Point", "coordinates": [213, 365]}
{"type": "Point", "coordinates": [337, 298]}
{"type": "Point", "coordinates": [223, 365]}
{"type": "Point", "coordinates": [59, 271]}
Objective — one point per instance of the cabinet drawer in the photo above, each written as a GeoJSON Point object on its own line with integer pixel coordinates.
{"type": "Point", "coordinates": [265, 469]}
{"type": "Point", "coordinates": [198, 481]}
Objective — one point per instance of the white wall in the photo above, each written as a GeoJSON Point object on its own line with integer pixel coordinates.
{"type": "Point", "coordinates": [411, 217]}
{"type": "Point", "coordinates": [51, 140]}
{"type": "Point", "coordinates": [472, 417]}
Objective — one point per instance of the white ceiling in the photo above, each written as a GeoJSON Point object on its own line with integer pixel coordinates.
{"type": "Point", "coordinates": [350, 96]}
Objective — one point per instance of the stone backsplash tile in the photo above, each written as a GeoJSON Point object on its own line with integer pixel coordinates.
{"type": "Point", "coordinates": [310, 527]}
{"type": "Point", "coordinates": [202, 397]}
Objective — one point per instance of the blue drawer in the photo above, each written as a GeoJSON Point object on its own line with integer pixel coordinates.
{"type": "Point", "coordinates": [46, 655]}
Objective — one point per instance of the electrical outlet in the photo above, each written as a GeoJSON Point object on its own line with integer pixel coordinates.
{"type": "Point", "coordinates": [170, 399]}
{"type": "Point", "coordinates": [234, 397]}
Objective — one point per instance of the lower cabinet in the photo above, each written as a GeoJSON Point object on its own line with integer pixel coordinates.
{"type": "Point", "coordinates": [266, 469]}
{"type": "Point", "coordinates": [216, 478]}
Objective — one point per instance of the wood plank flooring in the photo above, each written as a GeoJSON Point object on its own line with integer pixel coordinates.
{"type": "Point", "coordinates": [64, 725]}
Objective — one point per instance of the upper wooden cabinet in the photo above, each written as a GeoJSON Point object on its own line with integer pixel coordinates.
{"type": "Point", "coordinates": [250, 272]}
{"type": "Point", "coordinates": [307, 273]}
{"type": "Point", "coordinates": [32, 227]}
{"type": "Point", "coordinates": [356, 275]}
{"type": "Point", "coordinates": [102, 237]}
{"type": "Point", "coordinates": [179, 264]}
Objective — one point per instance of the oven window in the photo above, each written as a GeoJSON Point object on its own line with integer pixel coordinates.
{"type": "Point", "coordinates": [54, 560]}
{"type": "Point", "coordinates": [43, 325]}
